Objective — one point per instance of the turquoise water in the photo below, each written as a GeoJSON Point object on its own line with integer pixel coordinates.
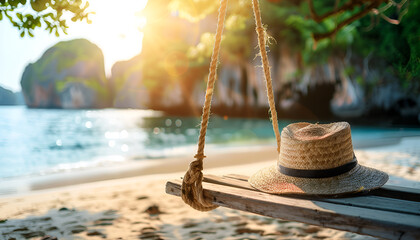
{"type": "Point", "coordinates": [43, 141]}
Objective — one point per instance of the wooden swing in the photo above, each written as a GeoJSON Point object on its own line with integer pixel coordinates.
{"type": "Point", "coordinates": [389, 212]}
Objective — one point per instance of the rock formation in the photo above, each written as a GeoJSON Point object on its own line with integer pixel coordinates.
{"type": "Point", "coordinates": [7, 97]}
{"type": "Point", "coordinates": [68, 75]}
{"type": "Point", "coordinates": [128, 87]}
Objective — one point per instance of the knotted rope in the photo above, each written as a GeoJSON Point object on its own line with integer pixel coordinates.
{"type": "Point", "coordinates": [192, 189]}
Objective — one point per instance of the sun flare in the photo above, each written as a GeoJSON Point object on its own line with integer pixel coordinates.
{"type": "Point", "coordinates": [115, 28]}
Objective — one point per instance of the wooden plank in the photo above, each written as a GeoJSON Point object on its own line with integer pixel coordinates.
{"type": "Point", "coordinates": [389, 191]}
{"type": "Point", "coordinates": [379, 203]}
{"type": "Point", "coordinates": [348, 218]}
{"type": "Point", "coordinates": [237, 176]}
{"type": "Point", "coordinates": [364, 201]}
{"type": "Point", "coordinates": [227, 181]}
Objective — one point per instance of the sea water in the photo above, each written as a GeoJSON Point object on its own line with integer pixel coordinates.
{"type": "Point", "coordinates": [37, 142]}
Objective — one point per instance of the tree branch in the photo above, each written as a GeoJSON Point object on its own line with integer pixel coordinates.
{"type": "Point", "coordinates": [319, 36]}
{"type": "Point", "coordinates": [347, 6]}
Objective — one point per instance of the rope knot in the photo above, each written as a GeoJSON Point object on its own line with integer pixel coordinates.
{"type": "Point", "coordinates": [192, 189]}
{"type": "Point", "coordinates": [196, 165]}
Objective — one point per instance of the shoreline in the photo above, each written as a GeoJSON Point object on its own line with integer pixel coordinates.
{"type": "Point", "coordinates": [366, 151]}
{"type": "Point", "coordinates": [133, 168]}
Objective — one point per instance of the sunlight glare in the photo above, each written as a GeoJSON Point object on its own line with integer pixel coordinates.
{"type": "Point", "coordinates": [115, 28]}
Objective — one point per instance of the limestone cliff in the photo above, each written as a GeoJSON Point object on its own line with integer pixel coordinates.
{"type": "Point", "coordinates": [68, 75]}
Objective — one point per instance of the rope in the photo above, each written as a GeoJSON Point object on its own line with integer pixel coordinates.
{"type": "Point", "coordinates": [192, 189]}
{"type": "Point", "coordinates": [266, 66]}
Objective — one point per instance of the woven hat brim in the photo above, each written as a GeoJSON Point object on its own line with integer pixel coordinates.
{"type": "Point", "coordinates": [360, 178]}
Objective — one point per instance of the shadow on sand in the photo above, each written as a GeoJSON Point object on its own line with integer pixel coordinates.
{"type": "Point", "coordinates": [58, 224]}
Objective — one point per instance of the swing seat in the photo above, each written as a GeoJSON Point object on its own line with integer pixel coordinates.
{"type": "Point", "coordinates": [389, 212]}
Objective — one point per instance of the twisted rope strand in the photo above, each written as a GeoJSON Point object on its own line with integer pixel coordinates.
{"type": "Point", "coordinates": [192, 189]}
{"type": "Point", "coordinates": [266, 66]}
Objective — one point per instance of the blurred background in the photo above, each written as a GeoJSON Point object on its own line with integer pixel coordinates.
{"type": "Point", "coordinates": [97, 83]}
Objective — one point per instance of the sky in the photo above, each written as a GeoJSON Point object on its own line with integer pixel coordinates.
{"type": "Point", "coordinates": [115, 29]}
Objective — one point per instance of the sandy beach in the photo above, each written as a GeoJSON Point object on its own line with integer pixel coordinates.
{"type": "Point", "coordinates": [135, 205]}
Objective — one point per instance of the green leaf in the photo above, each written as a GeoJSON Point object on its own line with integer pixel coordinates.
{"type": "Point", "coordinates": [30, 34]}
{"type": "Point", "coordinates": [51, 15]}
{"type": "Point", "coordinates": [56, 33]}
{"type": "Point", "coordinates": [13, 3]}
{"type": "Point", "coordinates": [22, 34]}
{"type": "Point", "coordinates": [39, 5]}
{"type": "Point", "coordinates": [19, 15]}
{"type": "Point", "coordinates": [1, 15]}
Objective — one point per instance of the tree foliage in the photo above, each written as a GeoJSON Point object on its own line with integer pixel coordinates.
{"type": "Point", "coordinates": [315, 29]}
{"type": "Point", "coordinates": [287, 21]}
{"type": "Point", "coordinates": [399, 45]}
{"type": "Point", "coordinates": [52, 15]}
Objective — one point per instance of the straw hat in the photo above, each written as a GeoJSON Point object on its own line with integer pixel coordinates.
{"type": "Point", "coordinates": [317, 159]}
